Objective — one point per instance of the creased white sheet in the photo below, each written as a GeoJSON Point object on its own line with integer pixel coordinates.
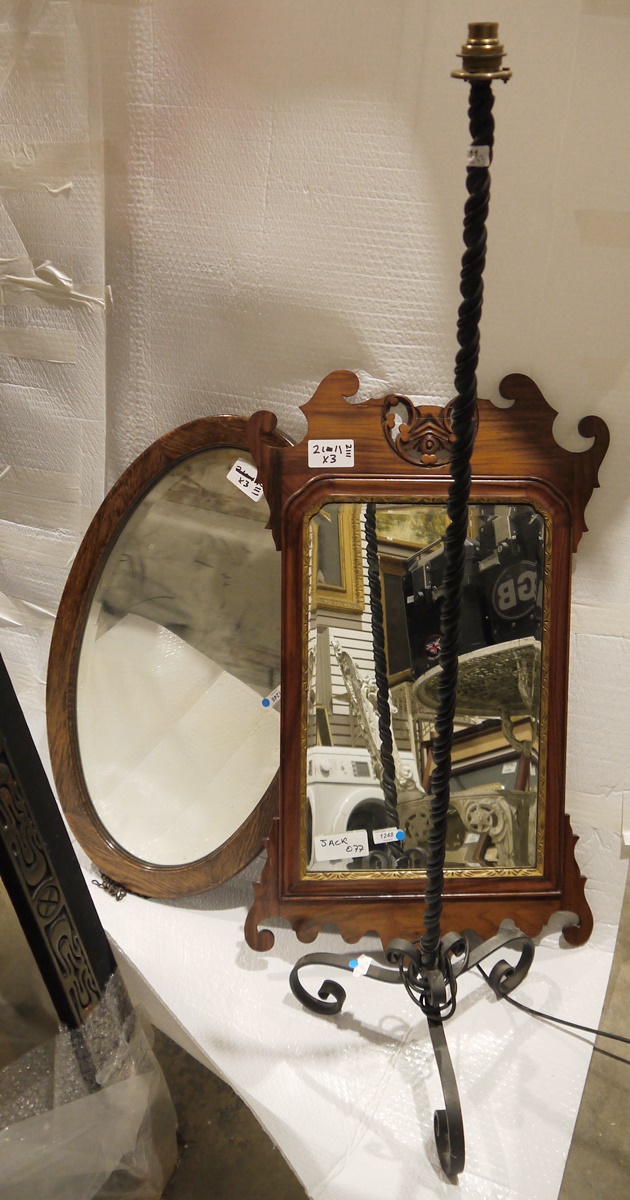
{"type": "Point", "coordinates": [274, 191]}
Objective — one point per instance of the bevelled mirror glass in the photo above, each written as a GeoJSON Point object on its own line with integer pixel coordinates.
{"type": "Point", "coordinates": [169, 737]}
{"type": "Point", "coordinates": [495, 816]}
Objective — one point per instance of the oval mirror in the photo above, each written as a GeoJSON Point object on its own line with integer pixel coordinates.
{"type": "Point", "coordinates": [164, 736]}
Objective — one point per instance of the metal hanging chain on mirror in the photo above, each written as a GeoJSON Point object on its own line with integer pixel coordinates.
{"type": "Point", "coordinates": [429, 968]}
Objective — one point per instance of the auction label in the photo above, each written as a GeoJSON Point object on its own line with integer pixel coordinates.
{"type": "Point", "coordinates": [478, 156]}
{"type": "Point", "coordinates": [387, 835]}
{"type": "Point", "coordinates": [329, 846]}
{"type": "Point", "coordinates": [245, 477]}
{"type": "Point", "coordinates": [360, 965]}
{"type": "Point", "coordinates": [338, 453]}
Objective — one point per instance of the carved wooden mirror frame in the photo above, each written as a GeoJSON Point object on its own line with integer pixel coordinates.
{"type": "Point", "coordinates": [515, 459]}
{"type": "Point", "coordinates": [124, 868]}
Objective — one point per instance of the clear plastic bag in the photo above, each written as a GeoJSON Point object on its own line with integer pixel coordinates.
{"type": "Point", "coordinates": [88, 1114]}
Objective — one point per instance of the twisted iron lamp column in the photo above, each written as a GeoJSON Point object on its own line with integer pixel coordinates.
{"type": "Point", "coordinates": [429, 969]}
{"type": "Point", "coordinates": [481, 64]}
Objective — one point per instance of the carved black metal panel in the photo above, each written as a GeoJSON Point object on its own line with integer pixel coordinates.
{"type": "Point", "coordinates": [42, 876]}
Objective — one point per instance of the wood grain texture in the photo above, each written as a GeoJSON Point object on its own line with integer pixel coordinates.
{"type": "Point", "coordinates": [133, 873]}
{"type": "Point", "coordinates": [399, 914]}
{"type": "Point", "coordinates": [515, 459]}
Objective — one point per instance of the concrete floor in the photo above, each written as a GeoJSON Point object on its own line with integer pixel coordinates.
{"type": "Point", "coordinates": [223, 1141]}
{"type": "Point", "coordinates": [220, 1139]}
{"type": "Point", "coordinates": [599, 1159]}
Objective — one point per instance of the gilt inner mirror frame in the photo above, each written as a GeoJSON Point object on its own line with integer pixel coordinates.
{"type": "Point", "coordinates": [338, 854]}
{"type": "Point", "coordinates": [163, 741]}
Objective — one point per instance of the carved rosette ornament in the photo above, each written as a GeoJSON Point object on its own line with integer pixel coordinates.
{"type": "Point", "coordinates": [423, 435]}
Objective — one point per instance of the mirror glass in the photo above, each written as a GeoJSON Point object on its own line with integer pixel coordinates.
{"type": "Point", "coordinates": [178, 737]}
{"type": "Point", "coordinates": [495, 821]}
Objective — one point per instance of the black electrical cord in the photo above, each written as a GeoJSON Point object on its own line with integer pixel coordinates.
{"type": "Point", "coordinates": [535, 1012]}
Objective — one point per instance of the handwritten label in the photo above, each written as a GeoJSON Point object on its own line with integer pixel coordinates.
{"type": "Point", "coordinates": [360, 965]}
{"type": "Point", "coordinates": [353, 844]}
{"type": "Point", "coordinates": [508, 768]}
{"type": "Point", "coordinates": [387, 835]}
{"type": "Point", "coordinates": [478, 156]}
{"type": "Point", "coordinates": [272, 698]}
{"type": "Point", "coordinates": [245, 476]}
{"type": "Point", "coordinates": [336, 453]}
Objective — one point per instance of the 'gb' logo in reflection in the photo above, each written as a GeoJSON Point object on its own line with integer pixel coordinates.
{"type": "Point", "coordinates": [514, 592]}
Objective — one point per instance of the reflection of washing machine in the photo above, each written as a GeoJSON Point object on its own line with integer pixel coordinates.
{"type": "Point", "coordinates": [343, 793]}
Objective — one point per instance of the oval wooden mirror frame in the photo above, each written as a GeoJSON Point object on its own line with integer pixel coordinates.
{"type": "Point", "coordinates": [121, 866]}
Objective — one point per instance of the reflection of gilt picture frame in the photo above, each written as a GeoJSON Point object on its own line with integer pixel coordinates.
{"type": "Point", "coordinates": [414, 525]}
{"type": "Point", "coordinates": [337, 552]}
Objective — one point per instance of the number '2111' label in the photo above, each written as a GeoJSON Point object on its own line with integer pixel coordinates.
{"type": "Point", "coordinates": [337, 453]}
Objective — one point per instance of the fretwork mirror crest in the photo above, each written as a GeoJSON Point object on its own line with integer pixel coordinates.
{"type": "Point", "coordinates": [166, 645]}
{"type": "Point", "coordinates": [336, 854]}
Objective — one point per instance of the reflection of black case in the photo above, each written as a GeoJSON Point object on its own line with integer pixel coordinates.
{"type": "Point", "coordinates": [511, 546]}
{"type": "Point", "coordinates": [423, 589]}
{"type": "Point", "coordinates": [502, 593]}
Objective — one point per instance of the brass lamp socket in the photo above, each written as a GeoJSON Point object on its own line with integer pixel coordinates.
{"type": "Point", "coordinates": [482, 55]}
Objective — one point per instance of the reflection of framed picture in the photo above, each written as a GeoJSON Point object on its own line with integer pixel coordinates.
{"type": "Point", "coordinates": [338, 558]}
{"type": "Point", "coordinates": [322, 726]}
{"type": "Point", "coordinates": [413, 525]}
{"type": "Point", "coordinates": [481, 755]}
{"type": "Point", "coordinates": [397, 649]}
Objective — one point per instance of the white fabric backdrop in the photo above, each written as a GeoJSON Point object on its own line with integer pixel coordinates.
{"type": "Point", "coordinates": [261, 191]}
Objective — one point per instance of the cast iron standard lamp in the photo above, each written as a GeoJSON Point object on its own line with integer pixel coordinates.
{"type": "Point", "coordinates": [430, 967]}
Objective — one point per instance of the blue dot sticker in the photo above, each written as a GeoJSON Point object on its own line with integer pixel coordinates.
{"type": "Point", "coordinates": [354, 962]}
{"type": "Point", "coordinates": [266, 702]}
{"type": "Point", "coordinates": [400, 837]}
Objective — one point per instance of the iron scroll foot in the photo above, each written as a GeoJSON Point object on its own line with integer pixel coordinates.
{"type": "Point", "coordinates": [435, 993]}
{"type": "Point", "coordinates": [322, 1003]}
{"type": "Point", "coordinates": [448, 1122]}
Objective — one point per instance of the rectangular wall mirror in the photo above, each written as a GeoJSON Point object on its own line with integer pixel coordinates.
{"type": "Point", "coordinates": [358, 509]}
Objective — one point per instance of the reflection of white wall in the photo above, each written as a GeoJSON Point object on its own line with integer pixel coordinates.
{"type": "Point", "coordinates": [176, 753]}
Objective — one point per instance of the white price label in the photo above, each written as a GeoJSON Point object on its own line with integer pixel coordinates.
{"type": "Point", "coordinates": [272, 698]}
{"type": "Point", "coordinates": [478, 156]}
{"type": "Point", "coordinates": [245, 476]}
{"type": "Point", "coordinates": [508, 768]}
{"type": "Point", "coordinates": [360, 965]}
{"type": "Point", "coordinates": [337, 453]}
{"type": "Point", "coordinates": [387, 835]}
{"type": "Point", "coordinates": [330, 846]}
